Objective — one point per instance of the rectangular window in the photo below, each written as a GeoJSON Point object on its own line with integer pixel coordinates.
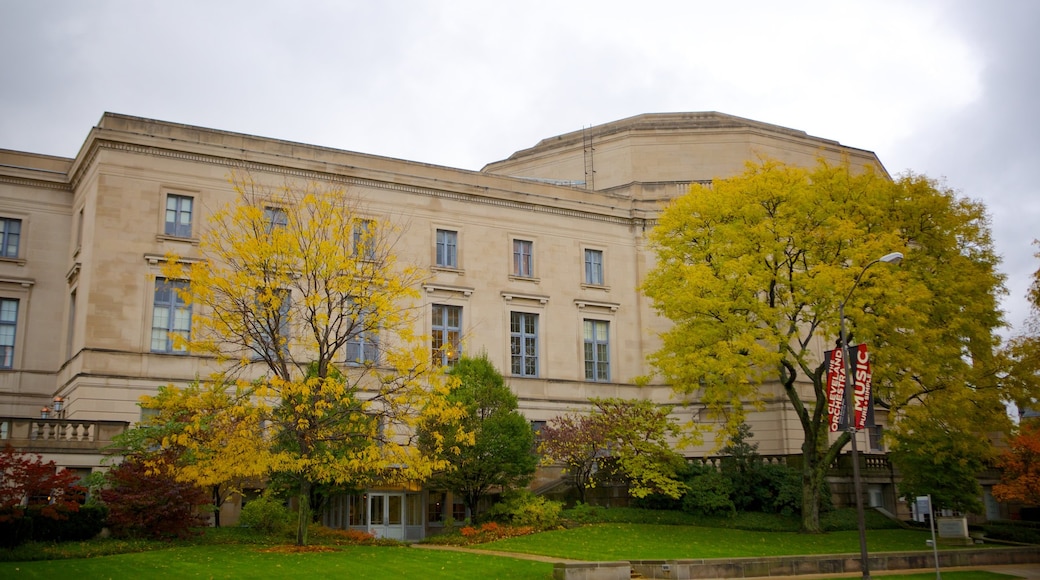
{"type": "Point", "coordinates": [8, 330]}
{"type": "Point", "coordinates": [447, 334]}
{"type": "Point", "coordinates": [364, 239]}
{"type": "Point", "coordinates": [597, 350]}
{"type": "Point", "coordinates": [523, 258]}
{"type": "Point", "coordinates": [875, 437]}
{"type": "Point", "coordinates": [594, 267]}
{"type": "Point", "coordinates": [171, 315]}
{"type": "Point", "coordinates": [272, 315]}
{"type": "Point", "coordinates": [523, 343]}
{"type": "Point", "coordinates": [275, 217]}
{"type": "Point", "coordinates": [178, 215]}
{"type": "Point", "coordinates": [363, 345]}
{"type": "Point", "coordinates": [447, 248]}
{"type": "Point", "coordinates": [10, 237]}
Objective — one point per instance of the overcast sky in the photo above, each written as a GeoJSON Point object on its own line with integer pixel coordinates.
{"type": "Point", "coordinates": [946, 88]}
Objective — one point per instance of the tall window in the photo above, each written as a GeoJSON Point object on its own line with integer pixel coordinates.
{"type": "Point", "coordinates": [447, 334]}
{"type": "Point", "coordinates": [523, 258]}
{"type": "Point", "coordinates": [364, 239]}
{"type": "Point", "coordinates": [274, 324]}
{"type": "Point", "coordinates": [8, 329]}
{"type": "Point", "coordinates": [275, 217]}
{"type": "Point", "coordinates": [597, 350]}
{"type": "Point", "coordinates": [10, 236]}
{"type": "Point", "coordinates": [875, 436]}
{"type": "Point", "coordinates": [363, 346]}
{"type": "Point", "coordinates": [594, 267]}
{"type": "Point", "coordinates": [178, 215]}
{"type": "Point", "coordinates": [523, 343]}
{"type": "Point", "coordinates": [447, 248]}
{"type": "Point", "coordinates": [72, 325]}
{"type": "Point", "coordinates": [171, 316]}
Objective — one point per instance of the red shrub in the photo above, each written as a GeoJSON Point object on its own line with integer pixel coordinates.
{"type": "Point", "coordinates": [147, 501]}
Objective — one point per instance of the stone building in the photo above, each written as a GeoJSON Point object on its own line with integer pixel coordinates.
{"type": "Point", "coordinates": [552, 237]}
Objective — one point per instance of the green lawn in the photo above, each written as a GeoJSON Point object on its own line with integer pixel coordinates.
{"type": "Point", "coordinates": [248, 561]}
{"type": "Point", "coordinates": [656, 542]}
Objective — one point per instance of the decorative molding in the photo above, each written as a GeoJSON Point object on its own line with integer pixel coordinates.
{"type": "Point", "coordinates": [154, 259]}
{"type": "Point", "coordinates": [487, 198]}
{"type": "Point", "coordinates": [23, 282]}
{"type": "Point", "coordinates": [508, 296]}
{"type": "Point", "coordinates": [73, 272]}
{"type": "Point", "coordinates": [445, 288]}
{"type": "Point", "coordinates": [582, 304]}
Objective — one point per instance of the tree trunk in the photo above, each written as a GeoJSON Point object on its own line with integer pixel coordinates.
{"type": "Point", "coordinates": [304, 499]}
{"type": "Point", "coordinates": [216, 506]}
{"type": "Point", "coordinates": [810, 496]}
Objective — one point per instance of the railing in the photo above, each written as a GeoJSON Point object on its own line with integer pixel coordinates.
{"type": "Point", "coordinates": [58, 435]}
{"type": "Point", "coordinates": [872, 462]}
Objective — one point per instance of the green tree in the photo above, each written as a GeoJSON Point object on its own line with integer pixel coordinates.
{"type": "Point", "coordinates": [300, 291]}
{"type": "Point", "coordinates": [496, 443]}
{"type": "Point", "coordinates": [751, 273]}
{"type": "Point", "coordinates": [627, 438]}
{"type": "Point", "coordinates": [209, 434]}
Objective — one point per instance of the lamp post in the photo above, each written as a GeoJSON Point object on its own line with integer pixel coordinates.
{"type": "Point", "coordinates": [850, 410]}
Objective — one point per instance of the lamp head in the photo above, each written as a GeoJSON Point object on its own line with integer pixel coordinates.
{"type": "Point", "coordinates": [893, 258]}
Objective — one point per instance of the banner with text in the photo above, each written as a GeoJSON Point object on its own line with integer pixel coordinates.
{"type": "Point", "coordinates": [836, 387]}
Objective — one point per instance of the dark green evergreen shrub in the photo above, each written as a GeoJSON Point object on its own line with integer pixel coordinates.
{"type": "Point", "coordinates": [709, 494]}
{"type": "Point", "coordinates": [82, 524]}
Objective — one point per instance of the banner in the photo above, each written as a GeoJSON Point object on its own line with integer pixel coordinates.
{"type": "Point", "coordinates": [861, 374]}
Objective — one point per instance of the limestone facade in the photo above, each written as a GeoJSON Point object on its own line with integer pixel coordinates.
{"type": "Point", "coordinates": [78, 294]}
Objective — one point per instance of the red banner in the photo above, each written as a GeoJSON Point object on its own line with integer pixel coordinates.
{"type": "Point", "coordinates": [861, 374]}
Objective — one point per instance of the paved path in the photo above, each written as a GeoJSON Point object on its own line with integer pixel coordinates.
{"type": "Point", "coordinates": [1029, 571]}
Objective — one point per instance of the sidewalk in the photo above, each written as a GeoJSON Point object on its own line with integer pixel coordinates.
{"type": "Point", "coordinates": [1029, 571]}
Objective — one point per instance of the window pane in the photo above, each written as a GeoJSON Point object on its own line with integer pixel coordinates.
{"type": "Point", "coordinates": [10, 234]}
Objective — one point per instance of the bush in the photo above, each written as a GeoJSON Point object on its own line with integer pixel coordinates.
{"type": "Point", "coordinates": [82, 524]}
{"type": "Point", "coordinates": [146, 501]}
{"type": "Point", "coordinates": [523, 508]}
{"type": "Point", "coordinates": [267, 515]}
{"type": "Point", "coordinates": [709, 494]}
{"type": "Point", "coordinates": [583, 513]}
{"type": "Point", "coordinates": [15, 529]}
{"type": "Point", "coordinates": [1010, 532]}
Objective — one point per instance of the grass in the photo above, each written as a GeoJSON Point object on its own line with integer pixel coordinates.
{"type": "Point", "coordinates": [613, 541]}
{"type": "Point", "coordinates": [250, 561]}
{"type": "Point", "coordinates": [623, 534]}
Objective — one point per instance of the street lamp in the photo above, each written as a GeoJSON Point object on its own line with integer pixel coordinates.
{"type": "Point", "coordinates": [850, 410]}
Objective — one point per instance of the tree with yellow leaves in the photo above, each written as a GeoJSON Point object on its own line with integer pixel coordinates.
{"type": "Point", "coordinates": [300, 291]}
{"type": "Point", "coordinates": [753, 269]}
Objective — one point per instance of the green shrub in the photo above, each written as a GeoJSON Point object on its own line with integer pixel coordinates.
{"type": "Point", "coordinates": [15, 528]}
{"type": "Point", "coordinates": [709, 494]}
{"type": "Point", "coordinates": [82, 524]}
{"type": "Point", "coordinates": [583, 513]}
{"type": "Point", "coordinates": [1012, 532]}
{"type": "Point", "coordinates": [267, 516]}
{"type": "Point", "coordinates": [523, 508]}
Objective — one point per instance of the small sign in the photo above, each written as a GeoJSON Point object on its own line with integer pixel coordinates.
{"type": "Point", "coordinates": [952, 527]}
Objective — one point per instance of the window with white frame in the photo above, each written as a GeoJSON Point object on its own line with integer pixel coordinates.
{"type": "Point", "coordinates": [594, 267]}
{"type": "Point", "coordinates": [8, 331]}
{"type": "Point", "coordinates": [447, 334]}
{"type": "Point", "coordinates": [171, 316]}
{"type": "Point", "coordinates": [597, 350]}
{"type": "Point", "coordinates": [523, 343]}
{"type": "Point", "coordinates": [178, 215]}
{"type": "Point", "coordinates": [447, 248]}
{"type": "Point", "coordinates": [875, 436]}
{"type": "Point", "coordinates": [523, 258]}
{"type": "Point", "coordinates": [364, 239]}
{"type": "Point", "coordinates": [275, 217]}
{"type": "Point", "coordinates": [272, 315]}
{"type": "Point", "coordinates": [362, 347]}
{"type": "Point", "coordinates": [10, 237]}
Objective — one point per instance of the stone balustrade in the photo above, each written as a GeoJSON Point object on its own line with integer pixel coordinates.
{"type": "Point", "coordinates": [58, 435]}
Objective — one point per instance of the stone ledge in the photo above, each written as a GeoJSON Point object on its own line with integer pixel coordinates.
{"type": "Point", "coordinates": [592, 571]}
{"type": "Point", "coordinates": [826, 564]}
